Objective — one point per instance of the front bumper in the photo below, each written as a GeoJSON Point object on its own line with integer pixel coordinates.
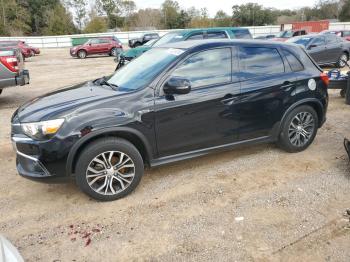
{"type": "Point", "coordinates": [73, 53]}
{"type": "Point", "coordinates": [43, 161]}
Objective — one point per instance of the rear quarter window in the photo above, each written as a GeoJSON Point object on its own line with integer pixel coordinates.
{"type": "Point", "coordinates": [293, 61]}
{"type": "Point", "coordinates": [260, 61]}
{"type": "Point", "coordinates": [241, 33]}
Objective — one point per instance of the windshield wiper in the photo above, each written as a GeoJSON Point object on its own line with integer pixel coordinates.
{"type": "Point", "coordinates": [103, 82]}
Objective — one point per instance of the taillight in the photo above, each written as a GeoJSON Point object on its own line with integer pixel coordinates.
{"type": "Point", "coordinates": [324, 78]}
{"type": "Point", "coordinates": [10, 62]}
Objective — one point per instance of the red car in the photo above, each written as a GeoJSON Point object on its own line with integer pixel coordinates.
{"type": "Point", "coordinates": [25, 49]}
{"type": "Point", "coordinates": [345, 34]}
{"type": "Point", "coordinates": [285, 35]}
{"type": "Point", "coordinates": [105, 45]}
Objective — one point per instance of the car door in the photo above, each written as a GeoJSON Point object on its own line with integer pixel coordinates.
{"type": "Point", "coordinates": [318, 50]}
{"type": "Point", "coordinates": [205, 117]}
{"type": "Point", "coordinates": [104, 46]}
{"type": "Point", "coordinates": [265, 83]}
{"type": "Point", "coordinates": [334, 48]}
{"type": "Point", "coordinates": [94, 46]}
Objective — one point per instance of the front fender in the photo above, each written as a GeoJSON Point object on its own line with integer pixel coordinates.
{"type": "Point", "coordinates": [98, 133]}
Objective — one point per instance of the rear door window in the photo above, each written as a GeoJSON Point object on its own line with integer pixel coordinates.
{"type": "Point", "coordinates": [259, 61]}
{"type": "Point", "coordinates": [331, 39]}
{"type": "Point", "coordinates": [293, 61]}
{"type": "Point", "coordinates": [242, 33]}
{"type": "Point", "coordinates": [196, 36]}
{"type": "Point", "coordinates": [216, 35]}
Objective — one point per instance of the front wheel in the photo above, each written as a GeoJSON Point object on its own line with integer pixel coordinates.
{"type": "Point", "coordinates": [109, 169]}
{"type": "Point", "coordinates": [82, 54]}
{"type": "Point", "coordinates": [299, 129]}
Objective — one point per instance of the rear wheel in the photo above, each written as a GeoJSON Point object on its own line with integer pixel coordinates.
{"type": "Point", "coordinates": [109, 169]}
{"type": "Point", "coordinates": [114, 52]}
{"type": "Point", "coordinates": [342, 60]}
{"type": "Point", "coordinates": [82, 54]}
{"type": "Point", "coordinates": [299, 129]}
{"type": "Point", "coordinates": [0, 91]}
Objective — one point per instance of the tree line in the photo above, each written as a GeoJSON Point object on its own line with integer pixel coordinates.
{"type": "Point", "coordinates": [57, 17]}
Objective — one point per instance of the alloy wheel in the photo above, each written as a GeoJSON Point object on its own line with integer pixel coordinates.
{"type": "Point", "coordinates": [342, 60]}
{"type": "Point", "coordinates": [114, 52]}
{"type": "Point", "coordinates": [110, 173]}
{"type": "Point", "coordinates": [301, 129]}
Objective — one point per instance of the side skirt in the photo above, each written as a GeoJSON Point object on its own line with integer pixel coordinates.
{"type": "Point", "coordinates": [205, 151]}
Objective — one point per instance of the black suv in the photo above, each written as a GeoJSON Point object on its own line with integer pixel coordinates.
{"type": "Point", "coordinates": [143, 39]}
{"type": "Point", "coordinates": [175, 102]}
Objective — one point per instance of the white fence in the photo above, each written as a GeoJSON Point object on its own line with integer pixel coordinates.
{"type": "Point", "coordinates": [66, 40]}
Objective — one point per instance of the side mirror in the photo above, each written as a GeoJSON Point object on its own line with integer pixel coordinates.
{"type": "Point", "coordinates": [311, 46]}
{"type": "Point", "coordinates": [178, 86]}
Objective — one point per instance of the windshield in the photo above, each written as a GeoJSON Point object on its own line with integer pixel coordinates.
{"type": "Point", "coordinates": [151, 42]}
{"type": "Point", "coordinates": [169, 38]}
{"type": "Point", "coordinates": [142, 70]}
{"type": "Point", "coordinates": [301, 41]}
{"type": "Point", "coordinates": [285, 34]}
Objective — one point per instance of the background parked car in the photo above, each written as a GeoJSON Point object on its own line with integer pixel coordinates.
{"type": "Point", "coordinates": [325, 49]}
{"type": "Point", "coordinates": [285, 35]}
{"type": "Point", "coordinates": [267, 92]}
{"type": "Point", "coordinates": [12, 70]}
{"type": "Point", "coordinates": [97, 46]}
{"type": "Point", "coordinates": [184, 35]}
{"type": "Point", "coordinates": [135, 42]}
{"type": "Point", "coordinates": [345, 34]}
{"type": "Point", "coordinates": [25, 49]}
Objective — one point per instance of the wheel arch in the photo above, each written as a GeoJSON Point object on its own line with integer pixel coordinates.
{"type": "Point", "coordinates": [133, 136]}
{"type": "Point", "coordinates": [313, 102]}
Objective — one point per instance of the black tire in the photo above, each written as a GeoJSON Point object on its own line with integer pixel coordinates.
{"type": "Point", "coordinates": [343, 93]}
{"type": "Point", "coordinates": [341, 63]}
{"type": "Point", "coordinates": [114, 52]}
{"type": "Point", "coordinates": [0, 91]}
{"type": "Point", "coordinates": [285, 138]}
{"type": "Point", "coordinates": [106, 145]}
{"type": "Point", "coordinates": [81, 54]}
{"type": "Point", "coordinates": [137, 44]}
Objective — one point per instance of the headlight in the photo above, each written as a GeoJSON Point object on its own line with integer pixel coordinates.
{"type": "Point", "coordinates": [42, 130]}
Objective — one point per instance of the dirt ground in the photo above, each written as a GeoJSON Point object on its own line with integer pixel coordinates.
{"type": "Point", "coordinates": [256, 203]}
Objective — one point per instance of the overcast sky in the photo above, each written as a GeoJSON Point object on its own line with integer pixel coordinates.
{"type": "Point", "coordinates": [214, 5]}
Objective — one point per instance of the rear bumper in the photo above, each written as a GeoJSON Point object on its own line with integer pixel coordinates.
{"type": "Point", "coordinates": [21, 79]}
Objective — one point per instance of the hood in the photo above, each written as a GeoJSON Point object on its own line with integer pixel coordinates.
{"type": "Point", "coordinates": [135, 52]}
{"type": "Point", "coordinates": [77, 46]}
{"type": "Point", "coordinates": [64, 101]}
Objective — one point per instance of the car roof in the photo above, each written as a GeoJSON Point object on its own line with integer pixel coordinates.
{"type": "Point", "coordinates": [214, 42]}
{"type": "Point", "coordinates": [186, 31]}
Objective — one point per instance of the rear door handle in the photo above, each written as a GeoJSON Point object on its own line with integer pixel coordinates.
{"type": "Point", "coordinates": [229, 99]}
{"type": "Point", "coordinates": [287, 85]}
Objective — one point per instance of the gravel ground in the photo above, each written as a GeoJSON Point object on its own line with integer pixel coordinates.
{"type": "Point", "coordinates": [256, 203]}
